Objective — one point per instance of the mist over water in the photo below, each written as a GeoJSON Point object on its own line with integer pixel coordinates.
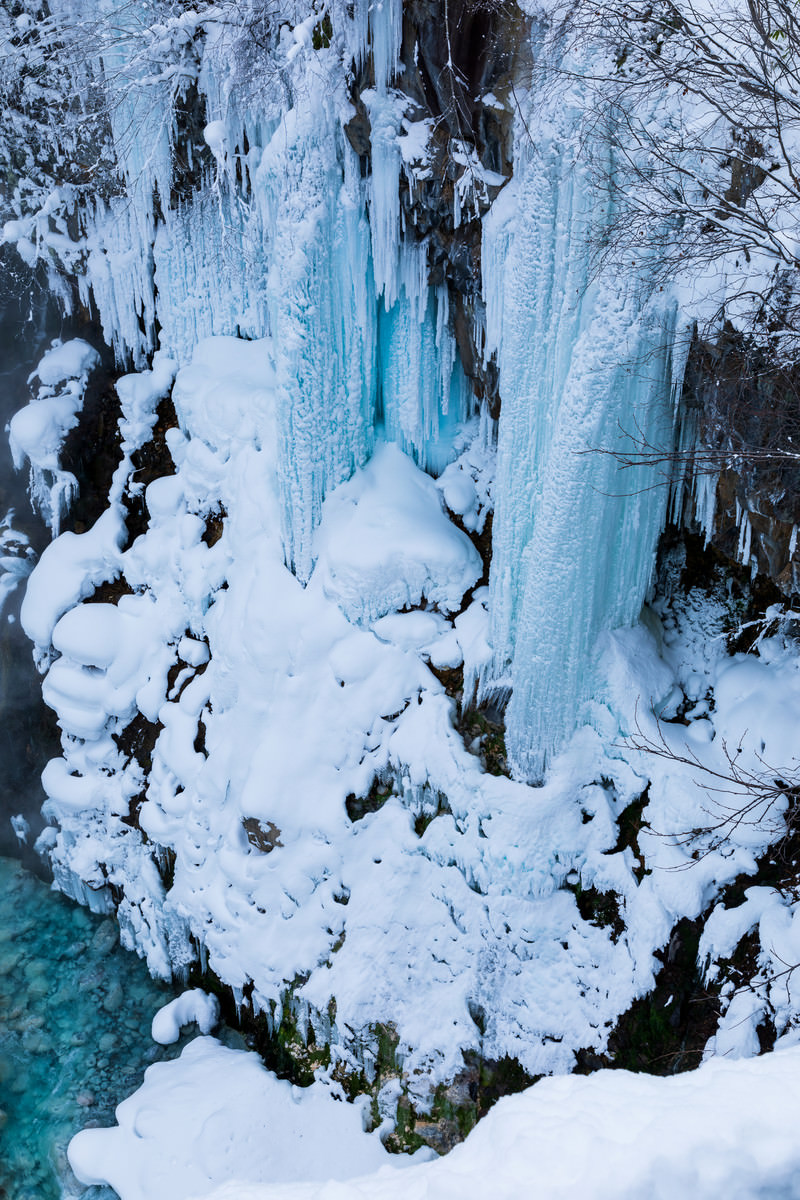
{"type": "Point", "coordinates": [29, 320]}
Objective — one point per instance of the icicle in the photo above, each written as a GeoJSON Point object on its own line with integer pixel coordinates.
{"type": "Point", "coordinates": [322, 314]}
{"type": "Point", "coordinates": [119, 272]}
{"type": "Point", "coordinates": [386, 26]}
{"type": "Point", "coordinates": [745, 535]}
{"type": "Point", "coordinates": [705, 501]}
{"type": "Point", "coordinates": [385, 112]}
{"type": "Point", "coordinates": [424, 392]}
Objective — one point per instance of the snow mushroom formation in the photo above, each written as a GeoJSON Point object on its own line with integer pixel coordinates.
{"type": "Point", "coordinates": [380, 714]}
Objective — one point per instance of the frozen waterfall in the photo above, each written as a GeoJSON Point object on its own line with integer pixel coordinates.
{"type": "Point", "coordinates": [294, 244]}
{"type": "Point", "coordinates": [286, 237]}
{"type": "Point", "coordinates": [590, 363]}
{"type": "Point", "coordinates": [263, 759]}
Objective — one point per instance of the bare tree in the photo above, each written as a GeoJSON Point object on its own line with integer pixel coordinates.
{"type": "Point", "coordinates": [701, 105]}
{"type": "Point", "coordinates": [767, 797]}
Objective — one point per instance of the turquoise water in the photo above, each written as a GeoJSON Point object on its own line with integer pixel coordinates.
{"type": "Point", "coordinates": [75, 1013]}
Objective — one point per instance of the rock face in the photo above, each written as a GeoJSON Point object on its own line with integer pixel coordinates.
{"type": "Point", "coordinates": [756, 524]}
{"type": "Point", "coordinates": [747, 469]}
{"type": "Point", "coordinates": [458, 71]}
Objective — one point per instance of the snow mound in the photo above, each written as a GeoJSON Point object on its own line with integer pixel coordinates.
{"type": "Point", "coordinates": [67, 360]}
{"type": "Point", "coordinates": [727, 1129]}
{"type": "Point", "coordinates": [385, 543]}
{"type": "Point", "coordinates": [37, 431]}
{"type": "Point", "coordinates": [69, 569]}
{"type": "Point", "coordinates": [216, 1114]}
{"type": "Point", "coordinates": [192, 1006]}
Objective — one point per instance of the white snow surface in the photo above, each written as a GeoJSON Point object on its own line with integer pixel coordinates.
{"type": "Point", "coordinates": [216, 1114]}
{"type": "Point", "coordinates": [66, 360]}
{"type": "Point", "coordinates": [727, 1129]}
{"type": "Point", "coordinates": [68, 570]}
{"type": "Point", "coordinates": [37, 431]}
{"type": "Point", "coordinates": [384, 543]}
{"type": "Point", "coordinates": [191, 1006]}
{"type": "Point", "coordinates": [455, 921]}
{"type": "Point", "coordinates": [214, 1124]}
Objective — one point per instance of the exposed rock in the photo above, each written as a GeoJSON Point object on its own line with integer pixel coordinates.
{"type": "Point", "coordinates": [746, 409]}
{"type": "Point", "coordinates": [105, 939]}
{"type": "Point", "coordinates": [262, 834]}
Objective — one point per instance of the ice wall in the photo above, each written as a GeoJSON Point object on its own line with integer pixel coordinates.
{"type": "Point", "coordinates": [282, 236]}
{"type": "Point", "coordinates": [590, 362]}
{"type": "Point", "coordinates": [271, 225]}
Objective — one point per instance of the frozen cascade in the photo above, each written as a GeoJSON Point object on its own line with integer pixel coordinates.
{"type": "Point", "coordinates": [307, 803]}
{"type": "Point", "coordinates": [588, 362]}
{"type": "Point", "coordinates": [208, 274]}
{"type": "Point", "coordinates": [284, 238]}
{"type": "Point", "coordinates": [322, 312]}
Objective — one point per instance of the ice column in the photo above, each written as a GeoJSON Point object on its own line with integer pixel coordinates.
{"type": "Point", "coordinates": [321, 304]}
{"type": "Point", "coordinates": [210, 271]}
{"type": "Point", "coordinates": [584, 360]}
{"type": "Point", "coordinates": [385, 113]}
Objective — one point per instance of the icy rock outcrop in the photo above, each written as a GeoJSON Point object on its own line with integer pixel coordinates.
{"type": "Point", "coordinates": [221, 696]}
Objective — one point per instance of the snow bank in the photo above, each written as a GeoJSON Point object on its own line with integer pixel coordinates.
{"type": "Point", "coordinates": [66, 360]}
{"type": "Point", "coordinates": [274, 709]}
{"type": "Point", "coordinates": [69, 569]}
{"type": "Point", "coordinates": [215, 1124]}
{"type": "Point", "coordinates": [216, 1114]}
{"type": "Point", "coordinates": [384, 542]}
{"type": "Point", "coordinates": [727, 1129]}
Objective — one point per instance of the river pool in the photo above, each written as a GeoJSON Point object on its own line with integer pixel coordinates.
{"type": "Point", "coordinates": [75, 1014]}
